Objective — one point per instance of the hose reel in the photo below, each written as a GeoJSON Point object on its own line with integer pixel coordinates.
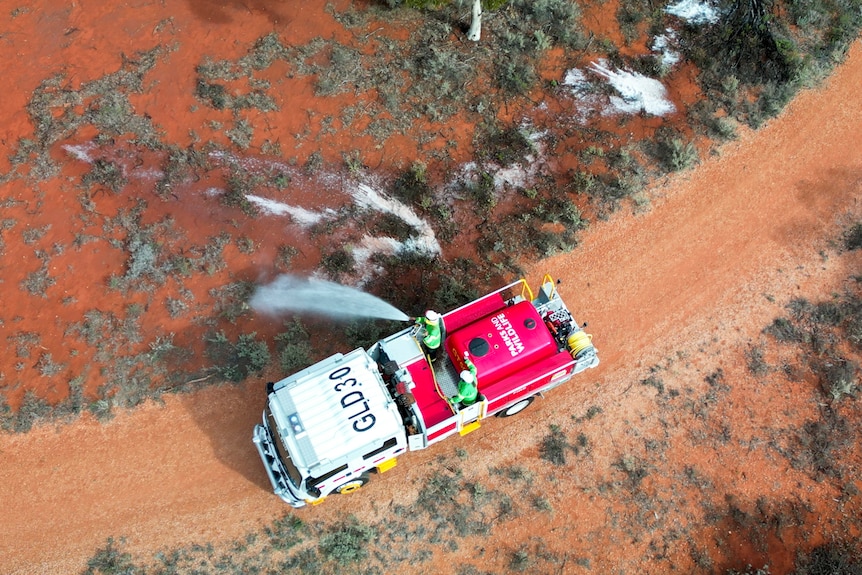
{"type": "Point", "coordinates": [580, 343]}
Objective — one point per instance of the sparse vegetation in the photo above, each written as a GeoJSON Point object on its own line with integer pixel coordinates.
{"type": "Point", "coordinates": [293, 347]}
{"type": "Point", "coordinates": [37, 282]}
{"type": "Point", "coordinates": [555, 445]}
{"type": "Point", "coordinates": [240, 185]}
{"type": "Point", "coordinates": [768, 51]}
{"type": "Point", "coordinates": [853, 237]}
{"type": "Point", "coordinates": [110, 560]}
{"type": "Point", "coordinates": [105, 173]}
{"type": "Point", "coordinates": [400, 84]}
{"type": "Point", "coordinates": [347, 543]}
{"type": "Point", "coordinates": [337, 262]}
{"type": "Point", "coordinates": [236, 361]}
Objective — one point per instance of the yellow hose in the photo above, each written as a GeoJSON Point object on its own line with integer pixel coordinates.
{"type": "Point", "coordinates": [579, 341]}
{"type": "Point", "coordinates": [433, 374]}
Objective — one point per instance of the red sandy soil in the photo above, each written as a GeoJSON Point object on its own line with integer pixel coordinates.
{"type": "Point", "coordinates": [687, 284]}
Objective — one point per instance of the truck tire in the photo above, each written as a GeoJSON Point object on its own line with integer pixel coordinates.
{"type": "Point", "coordinates": [354, 484]}
{"type": "Point", "coordinates": [516, 408]}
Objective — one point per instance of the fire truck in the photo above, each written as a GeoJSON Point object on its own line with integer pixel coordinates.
{"type": "Point", "coordinates": [327, 428]}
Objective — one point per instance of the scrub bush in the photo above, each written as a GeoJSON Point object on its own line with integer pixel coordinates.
{"type": "Point", "coordinates": [236, 361]}
{"type": "Point", "coordinates": [347, 543]}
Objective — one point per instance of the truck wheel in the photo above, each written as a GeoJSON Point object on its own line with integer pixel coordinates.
{"type": "Point", "coordinates": [516, 408]}
{"type": "Point", "coordinates": [354, 484]}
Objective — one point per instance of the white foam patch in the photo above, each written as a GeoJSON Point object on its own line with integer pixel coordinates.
{"type": "Point", "coordinates": [369, 246]}
{"type": "Point", "coordinates": [370, 198]}
{"type": "Point", "coordinates": [297, 214]}
{"type": "Point", "coordinates": [517, 175]}
{"type": "Point", "coordinates": [149, 174]}
{"type": "Point", "coordinates": [665, 45]}
{"type": "Point", "coordinates": [576, 80]}
{"type": "Point", "coordinates": [693, 11]}
{"type": "Point", "coordinates": [514, 175]}
{"type": "Point", "coordinates": [585, 93]}
{"type": "Point", "coordinates": [81, 151]}
{"type": "Point", "coordinates": [637, 92]}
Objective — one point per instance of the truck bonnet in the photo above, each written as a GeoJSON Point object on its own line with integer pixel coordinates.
{"type": "Point", "coordinates": [333, 410]}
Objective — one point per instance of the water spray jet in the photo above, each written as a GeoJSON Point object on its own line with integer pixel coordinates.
{"type": "Point", "coordinates": [288, 293]}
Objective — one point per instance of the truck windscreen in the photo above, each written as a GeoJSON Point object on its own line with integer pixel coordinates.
{"type": "Point", "coordinates": [292, 471]}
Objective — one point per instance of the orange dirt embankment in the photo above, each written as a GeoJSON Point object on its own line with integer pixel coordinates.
{"type": "Point", "coordinates": [703, 263]}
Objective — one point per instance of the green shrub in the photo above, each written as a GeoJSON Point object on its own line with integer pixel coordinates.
{"type": "Point", "coordinates": [47, 366]}
{"type": "Point", "coordinates": [286, 532]}
{"type": "Point", "coordinates": [215, 95]}
{"type": "Point", "coordinates": [840, 377]}
{"type": "Point", "coordinates": [442, 69]}
{"type": "Point", "coordinates": [520, 560]}
{"type": "Point", "coordinates": [830, 558]}
{"type": "Point", "coordinates": [393, 226]}
{"type": "Point", "coordinates": [314, 163]}
{"type": "Point", "coordinates": [212, 258]}
{"type": "Point", "coordinates": [38, 282]}
{"type": "Point", "coordinates": [542, 503]}
{"type": "Point", "coordinates": [241, 134]}
{"type": "Point", "coordinates": [293, 347]}
{"type": "Point", "coordinates": [284, 256]}
{"type": "Point", "coordinates": [515, 76]}
{"type": "Point", "coordinates": [440, 489]}
{"type": "Point", "coordinates": [505, 146]}
{"type": "Point", "coordinates": [853, 237]}
{"type": "Point", "coordinates": [142, 258]}
{"type": "Point", "coordinates": [558, 19]}
{"type": "Point", "coordinates": [240, 184]}
{"type": "Point", "coordinates": [347, 543]}
{"type": "Point", "coordinates": [30, 235]}
{"type": "Point", "coordinates": [345, 65]}
{"type": "Point", "coordinates": [755, 361]}
{"type": "Point", "coordinates": [266, 50]}
{"type": "Point", "coordinates": [629, 15]}
{"type": "Point", "coordinates": [235, 362]}
{"type": "Point", "coordinates": [828, 313]}
{"type": "Point", "coordinates": [554, 446]}
{"type": "Point", "coordinates": [110, 560]}
{"type": "Point", "coordinates": [483, 192]}
{"type": "Point", "coordinates": [412, 187]}
{"type": "Point", "coordinates": [338, 261]}
{"type": "Point", "coordinates": [782, 329]}
{"type": "Point", "coordinates": [365, 332]}
{"type": "Point", "coordinates": [7, 417]}
{"type": "Point", "coordinates": [106, 173]}
{"type": "Point", "coordinates": [231, 300]}
{"type": "Point", "coordinates": [680, 155]}
{"type": "Point", "coordinates": [634, 468]}
{"type": "Point", "coordinates": [33, 409]}
{"type": "Point", "coordinates": [655, 382]}
{"type": "Point", "coordinates": [453, 292]}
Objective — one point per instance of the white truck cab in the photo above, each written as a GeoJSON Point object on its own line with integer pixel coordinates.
{"type": "Point", "coordinates": [325, 428]}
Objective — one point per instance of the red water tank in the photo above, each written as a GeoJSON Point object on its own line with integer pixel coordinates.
{"type": "Point", "coordinates": [503, 342]}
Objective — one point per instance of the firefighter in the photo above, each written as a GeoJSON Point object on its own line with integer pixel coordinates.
{"type": "Point", "coordinates": [468, 389]}
{"type": "Point", "coordinates": [433, 332]}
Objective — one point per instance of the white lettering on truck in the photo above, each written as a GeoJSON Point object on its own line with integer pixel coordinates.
{"type": "Point", "coordinates": [353, 400]}
{"type": "Point", "coordinates": [510, 337]}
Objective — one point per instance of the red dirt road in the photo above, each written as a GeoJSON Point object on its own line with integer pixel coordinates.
{"type": "Point", "coordinates": [702, 264]}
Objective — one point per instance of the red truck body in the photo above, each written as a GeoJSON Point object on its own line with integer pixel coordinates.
{"type": "Point", "coordinates": [327, 427]}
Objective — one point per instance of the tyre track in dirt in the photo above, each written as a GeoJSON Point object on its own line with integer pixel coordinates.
{"type": "Point", "coordinates": [697, 266]}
